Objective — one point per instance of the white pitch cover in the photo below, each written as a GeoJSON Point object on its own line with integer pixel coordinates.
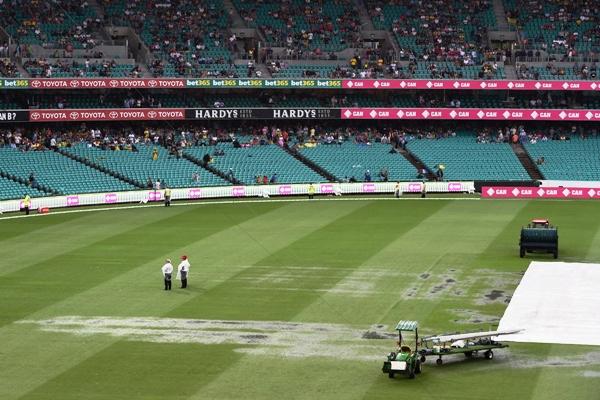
{"type": "Point", "coordinates": [556, 302]}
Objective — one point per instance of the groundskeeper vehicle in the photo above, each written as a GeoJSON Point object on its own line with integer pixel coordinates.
{"type": "Point", "coordinates": [539, 236]}
{"type": "Point", "coordinates": [468, 344]}
{"type": "Point", "coordinates": [404, 360]}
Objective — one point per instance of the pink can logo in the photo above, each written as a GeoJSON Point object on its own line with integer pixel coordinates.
{"type": "Point", "coordinates": [284, 190]}
{"type": "Point", "coordinates": [72, 201]}
{"type": "Point", "coordinates": [415, 187]}
{"type": "Point", "coordinates": [238, 191]}
{"type": "Point", "coordinates": [110, 198]}
{"type": "Point", "coordinates": [154, 196]}
{"type": "Point", "coordinates": [368, 187]}
{"type": "Point", "coordinates": [326, 188]}
{"type": "Point", "coordinates": [454, 187]}
{"type": "Point", "coordinates": [194, 194]}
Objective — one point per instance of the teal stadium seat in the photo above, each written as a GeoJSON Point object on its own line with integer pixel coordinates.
{"type": "Point", "coordinates": [467, 160]}
{"type": "Point", "coordinates": [352, 160]}
{"type": "Point", "coordinates": [248, 162]}
{"type": "Point", "coordinates": [574, 159]}
{"type": "Point", "coordinates": [59, 172]}
{"type": "Point", "coordinates": [139, 166]}
{"type": "Point", "coordinates": [13, 190]}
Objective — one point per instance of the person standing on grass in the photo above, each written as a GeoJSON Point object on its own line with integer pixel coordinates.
{"type": "Point", "coordinates": [167, 271]}
{"type": "Point", "coordinates": [398, 190]}
{"type": "Point", "coordinates": [183, 271]}
{"type": "Point", "coordinates": [26, 204]}
{"type": "Point", "coordinates": [167, 197]}
{"type": "Point", "coordinates": [311, 191]}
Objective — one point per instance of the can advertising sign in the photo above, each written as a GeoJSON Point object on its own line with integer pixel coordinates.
{"type": "Point", "coordinates": [194, 193]}
{"type": "Point", "coordinates": [110, 198]}
{"type": "Point", "coordinates": [284, 190]}
{"type": "Point", "coordinates": [72, 201]}
{"type": "Point", "coordinates": [415, 187]}
{"type": "Point", "coordinates": [483, 114]}
{"type": "Point", "coordinates": [368, 187]}
{"type": "Point", "coordinates": [523, 192]}
{"type": "Point", "coordinates": [238, 191]}
{"type": "Point", "coordinates": [468, 84]}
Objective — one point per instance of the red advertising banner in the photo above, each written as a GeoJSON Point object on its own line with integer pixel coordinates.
{"type": "Point", "coordinates": [483, 114]}
{"type": "Point", "coordinates": [106, 83]}
{"type": "Point", "coordinates": [466, 84]}
{"type": "Point", "coordinates": [528, 192]}
{"type": "Point", "coordinates": [107, 114]}
{"type": "Point", "coordinates": [172, 114]}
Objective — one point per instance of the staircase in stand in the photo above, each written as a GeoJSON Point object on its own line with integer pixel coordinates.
{"type": "Point", "coordinates": [319, 170]}
{"type": "Point", "coordinates": [212, 169]}
{"type": "Point", "coordinates": [418, 164]}
{"type": "Point", "coordinates": [527, 162]}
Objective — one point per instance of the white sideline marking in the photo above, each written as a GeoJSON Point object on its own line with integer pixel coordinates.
{"type": "Point", "coordinates": [278, 338]}
{"type": "Point", "coordinates": [204, 203]}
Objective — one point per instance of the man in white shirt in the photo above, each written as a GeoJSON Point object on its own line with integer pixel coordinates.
{"type": "Point", "coordinates": [167, 271]}
{"type": "Point", "coordinates": [183, 271]}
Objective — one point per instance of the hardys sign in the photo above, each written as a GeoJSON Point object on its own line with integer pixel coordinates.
{"type": "Point", "coordinates": [262, 113]}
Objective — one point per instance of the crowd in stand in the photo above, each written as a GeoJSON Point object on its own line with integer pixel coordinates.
{"type": "Point", "coordinates": [29, 18]}
{"type": "Point", "coordinates": [8, 69]}
{"type": "Point", "coordinates": [579, 71]}
{"type": "Point", "coordinates": [439, 29]}
{"type": "Point", "coordinates": [563, 17]}
{"type": "Point", "coordinates": [303, 26]}
{"type": "Point", "coordinates": [102, 68]}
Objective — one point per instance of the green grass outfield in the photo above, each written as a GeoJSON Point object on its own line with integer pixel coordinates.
{"type": "Point", "coordinates": [83, 314]}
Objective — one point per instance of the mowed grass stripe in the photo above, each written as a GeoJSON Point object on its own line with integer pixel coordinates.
{"type": "Point", "coordinates": [45, 371]}
{"type": "Point", "coordinates": [347, 242]}
{"type": "Point", "coordinates": [26, 227]}
{"type": "Point", "coordinates": [354, 240]}
{"type": "Point", "coordinates": [45, 238]}
{"type": "Point", "coordinates": [39, 285]}
{"type": "Point", "coordinates": [378, 288]}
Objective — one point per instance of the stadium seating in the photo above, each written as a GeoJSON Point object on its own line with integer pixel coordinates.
{"type": "Point", "coordinates": [44, 23]}
{"type": "Point", "coordinates": [260, 160]}
{"type": "Point", "coordinates": [575, 159]}
{"type": "Point", "coordinates": [353, 160]}
{"type": "Point", "coordinates": [301, 71]}
{"type": "Point", "coordinates": [552, 27]}
{"type": "Point", "coordinates": [13, 190]}
{"type": "Point", "coordinates": [331, 24]}
{"type": "Point", "coordinates": [417, 26]}
{"type": "Point", "coordinates": [8, 69]}
{"type": "Point", "coordinates": [187, 35]}
{"type": "Point", "coordinates": [465, 159]}
{"type": "Point", "coordinates": [70, 69]}
{"type": "Point", "coordinates": [58, 172]}
{"type": "Point", "coordinates": [140, 166]}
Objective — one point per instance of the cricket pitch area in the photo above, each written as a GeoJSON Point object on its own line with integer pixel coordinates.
{"type": "Point", "coordinates": [293, 299]}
